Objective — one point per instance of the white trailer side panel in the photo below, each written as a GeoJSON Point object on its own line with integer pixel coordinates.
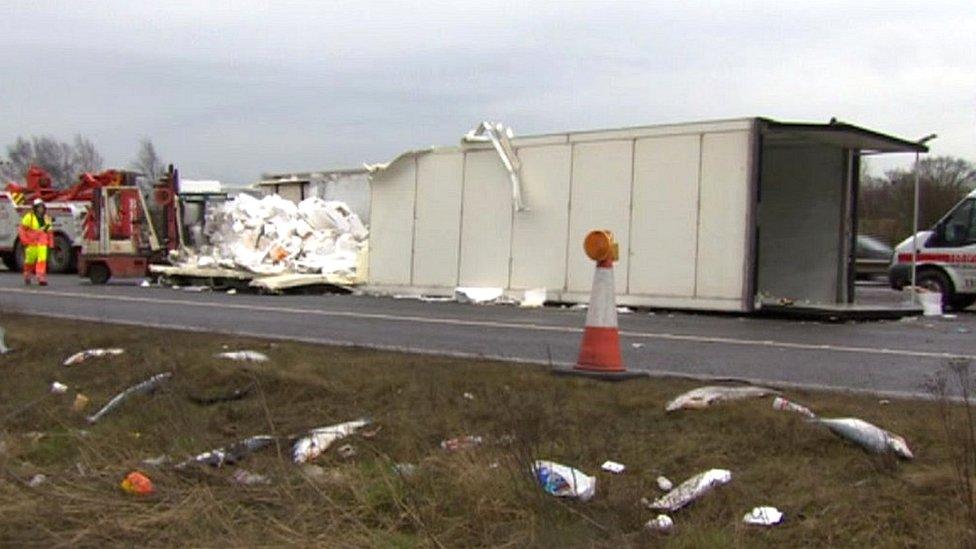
{"type": "Point", "coordinates": [486, 225]}
{"type": "Point", "coordinates": [391, 234]}
{"type": "Point", "coordinates": [664, 229]}
{"type": "Point", "coordinates": [437, 228]}
{"type": "Point", "coordinates": [724, 215]}
{"type": "Point", "coordinates": [539, 234]}
{"type": "Point", "coordinates": [602, 174]}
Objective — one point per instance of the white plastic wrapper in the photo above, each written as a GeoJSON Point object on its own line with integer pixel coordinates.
{"type": "Point", "coordinates": [613, 467]}
{"type": "Point", "coordinates": [477, 295]}
{"type": "Point", "coordinates": [272, 235]}
{"type": "Point", "coordinates": [661, 524]}
{"type": "Point", "coordinates": [763, 516]}
{"type": "Point", "coordinates": [560, 480]}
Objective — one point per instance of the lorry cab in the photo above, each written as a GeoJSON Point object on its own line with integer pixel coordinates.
{"type": "Point", "coordinates": [946, 259]}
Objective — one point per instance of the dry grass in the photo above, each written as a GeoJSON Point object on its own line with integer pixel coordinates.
{"type": "Point", "coordinates": [832, 493]}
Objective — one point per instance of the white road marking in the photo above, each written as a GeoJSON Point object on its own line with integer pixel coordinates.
{"type": "Point", "coordinates": [494, 324]}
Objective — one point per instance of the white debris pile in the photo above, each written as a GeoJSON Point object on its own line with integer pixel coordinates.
{"type": "Point", "coordinates": [272, 235]}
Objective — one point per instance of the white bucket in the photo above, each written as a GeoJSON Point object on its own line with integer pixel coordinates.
{"type": "Point", "coordinates": [931, 303]}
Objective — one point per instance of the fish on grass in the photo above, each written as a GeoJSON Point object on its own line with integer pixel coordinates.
{"type": "Point", "coordinates": [244, 356]}
{"type": "Point", "coordinates": [82, 356]}
{"type": "Point", "coordinates": [230, 455]}
{"type": "Point", "coordinates": [142, 388]}
{"type": "Point", "coordinates": [870, 437]}
{"type": "Point", "coordinates": [690, 490]}
{"type": "Point", "coordinates": [703, 397]}
{"type": "Point", "coordinates": [317, 441]}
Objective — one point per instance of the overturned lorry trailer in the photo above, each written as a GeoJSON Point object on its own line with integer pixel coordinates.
{"type": "Point", "coordinates": [730, 215]}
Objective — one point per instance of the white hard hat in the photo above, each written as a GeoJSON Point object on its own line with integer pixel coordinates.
{"type": "Point", "coordinates": [38, 201]}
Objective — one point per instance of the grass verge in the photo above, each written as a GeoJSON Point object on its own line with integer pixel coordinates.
{"type": "Point", "coordinates": [831, 492]}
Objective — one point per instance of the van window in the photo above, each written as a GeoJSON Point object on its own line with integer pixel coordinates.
{"type": "Point", "coordinates": [960, 228]}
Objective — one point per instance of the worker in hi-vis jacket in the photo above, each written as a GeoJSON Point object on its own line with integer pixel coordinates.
{"type": "Point", "coordinates": [35, 236]}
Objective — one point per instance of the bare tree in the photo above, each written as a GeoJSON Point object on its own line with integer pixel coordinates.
{"type": "Point", "coordinates": [148, 161]}
{"type": "Point", "coordinates": [885, 204]}
{"type": "Point", "coordinates": [63, 161]}
{"type": "Point", "coordinates": [86, 157]}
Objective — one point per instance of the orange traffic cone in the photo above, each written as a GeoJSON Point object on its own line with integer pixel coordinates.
{"type": "Point", "coordinates": [600, 350]}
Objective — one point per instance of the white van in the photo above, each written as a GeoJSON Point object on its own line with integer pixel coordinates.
{"type": "Point", "coordinates": [946, 260]}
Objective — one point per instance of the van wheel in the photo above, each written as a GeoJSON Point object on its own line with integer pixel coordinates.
{"type": "Point", "coordinates": [98, 273]}
{"type": "Point", "coordinates": [9, 261]}
{"type": "Point", "coordinates": [960, 302]}
{"type": "Point", "coordinates": [937, 281]}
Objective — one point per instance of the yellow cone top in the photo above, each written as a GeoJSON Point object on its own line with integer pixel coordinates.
{"type": "Point", "coordinates": [601, 246]}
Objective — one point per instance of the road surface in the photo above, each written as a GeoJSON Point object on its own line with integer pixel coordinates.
{"type": "Point", "coordinates": [895, 357]}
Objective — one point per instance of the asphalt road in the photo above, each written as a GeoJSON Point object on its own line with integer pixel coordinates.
{"type": "Point", "coordinates": [894, 357]}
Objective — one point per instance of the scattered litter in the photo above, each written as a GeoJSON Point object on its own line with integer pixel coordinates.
{"type": "Point", "coordinates": [80, 403]}
{"type": "Point", "coordinates": [144, 284]}
{"type": "Point", "coordinates": [763, 516]}
{"type": "Point", "coordinates": [372, 432]}
{"type": "Point", "coordinates": [3, 342]}
{"type": "Point", "coordinates": [59, 388]}
{"type": "Point", "coordinates": [870, 437]}
{"type": "Point", "coordinates": [533, 298]}
{"type": "Point", "coordinates": [637, 345]}
{"type": "Point", "coordinates": [232, 291]}
{"type": "Point", "coordinates": [949, 317]}
{"type": "Point", "coordinates": [196, 289]}
{"type": "Point", "coordinates": [704, 397]}
{"type": "Point", "coordinates": [157, 461]}
{"type": "Point", "coordinates": [661, 524]}
{"type": "Point", "coordinates": [272, 235]}
{"type": "Point", "coordinates": [219, 457]}
{"type": "Point", "coordinates": [652, 313]}
{"type": "Point", "coordinates": [613, 467]}
{"type": "Point", "coordinates": [37, 480]}
{"type": "Point", "coordinates": [142, 388]}
{"type": "Point", "coordinates": [247, 478]}
{"type": "Point", "coordinates": [560, 480]}
{"type": "Point", "coordinates": [579, 307]}
{"type": "Point", "coordinates": [458, 444]}
{"type": "Point", "coordinates": [962, 330]}
{"type": "Point", "coordinates": [405, 469]}
{"type": "Point", "coordinates": [780, 403]}
{"type": "Point", "coordinates": [664, 483]}
{"type": "Point", "coordinates": [236, 394]}
{"type": "Point", "coordinates": [884, 402]}
{"type": "Point", "coordinates": [175, 286]}
{"type": "Point", "coordinates": [244, 356]}
{"type": "Point", "coordinates": [346, 451]}
{"type": "Point", "coordinates": [468, 396]}
{"type": "Point", "coordinates": [82, 356]}
{"type": "Point", "coordinates": [624, 310]}
{"type": "Point", "coordinates": [690, 490]}
{"type": "Point", "coordinates": [317, 441]}
{"type": "Point", "coordinates": [477, 295]}
{"type": "Point", "coordinates": [137, 483]}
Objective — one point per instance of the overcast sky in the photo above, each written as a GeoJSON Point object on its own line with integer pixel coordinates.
{"type": "Point", "coordinates": [231, 90]}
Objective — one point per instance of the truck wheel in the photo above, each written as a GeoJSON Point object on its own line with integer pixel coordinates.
{"type": "Point", "coordinates": [937, 281]}
{"type": "Point", "coordinates": [61, 257]}
{"type": "Point", "coordinates": [9, 261]}
{"type": "Point", "coordinates": [18, 256]}
{"type": "Point", "coordinates": [98, 273]}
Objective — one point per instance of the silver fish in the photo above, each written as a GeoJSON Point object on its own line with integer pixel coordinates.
{"type": "Point", "coordinates": [783, 405]}
{"type": "Point", "coordinates": [82, 356]}
{"type": "Point", "coordinates": [317, 441]}
{"type": "Point", "coordinates": [141, 388]}
{"type": "Point", "coordinates": [704, 397]}
{"type": "Point", "coordinates": [870, 437]}
{"type": "Point", "coordinates": [244, 356]}
{"type": "Point", "coordinates": [219, 457]}
{"type": "Point", "coordinates": [690, 490]}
